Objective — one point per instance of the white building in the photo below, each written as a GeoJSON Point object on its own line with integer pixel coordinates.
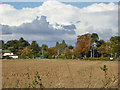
{"type": "Point", "coordinates": [10, 54]}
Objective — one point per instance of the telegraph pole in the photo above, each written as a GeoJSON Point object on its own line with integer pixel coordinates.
{"type": "Point", "coordinates": [42, 51]}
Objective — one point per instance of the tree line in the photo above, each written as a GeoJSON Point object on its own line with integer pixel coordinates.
{"type": "Point", "coordinates": [87, 45]}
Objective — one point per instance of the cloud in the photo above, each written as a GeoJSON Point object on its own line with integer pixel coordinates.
{"type": "Point", "coordinates": [40, 29]}
{"type": "Point", "coordinates": [61, 18]}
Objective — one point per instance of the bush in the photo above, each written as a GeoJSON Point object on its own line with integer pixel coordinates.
{"type": "Point", "coordinates": [62, 56]}
{"type": "Point", "coordinates": [69, 56]}
{"type": "Point", "coordinates": [77, 55]}
{"type": "Point", "coordinates": [101, 58]}
{"type": "Point", "coordinates": [7, 57]}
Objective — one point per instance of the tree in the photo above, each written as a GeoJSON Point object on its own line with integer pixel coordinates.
{"type": "Point", "coordinates": [115, 46]}
{"type": "Point", "coordinates": [35, 47]}
{"type": "Point", "coordinates": [12, 45]}
{"type": "Point", "coordinates": [100, 42]}
{"type": "Point", "coordinates": [1, 44]}
{"type": "Point", "coordinates": [57, 45]}
{"type": "Point", "coordinates": [83, 44]}
{"type": "Point", "coordinates": [44, 47]}
{"type": "Point", "coordinates": [102, 49]}
{"type": "Point", "coordinates": [23, 43]}
{"type": "Point", "coordinates": [52, 52]}
{"type": "Point", "coordinates": [70, 47]}
{"type": "Point", "coordinates": [94, 39]}
{"type": "Point", "coordinates": [25, 53]}
{"type": "Point", "coordinates": [61, 47]}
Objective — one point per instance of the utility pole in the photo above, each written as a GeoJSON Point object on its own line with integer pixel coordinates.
{"type": "Point", "coordinates": [42, 51]}
{"type": "Point", "coordinates": [58, 52]}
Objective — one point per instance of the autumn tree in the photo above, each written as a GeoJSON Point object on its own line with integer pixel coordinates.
{"type": "Point", "coordinates": [25, 53]}
{"type": "Point", "coordinates": [52, 52]}
{"type": "Point", "coordinates": [83, 44]}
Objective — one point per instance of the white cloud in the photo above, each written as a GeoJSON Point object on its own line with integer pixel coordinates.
{"type": "Point", "coordinates": [100, 18]}
{"type": "Point", "coordinates": [39, 29]}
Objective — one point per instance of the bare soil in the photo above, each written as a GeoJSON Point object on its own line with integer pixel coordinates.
{"type": "Point", "coordinates": [59, 73]}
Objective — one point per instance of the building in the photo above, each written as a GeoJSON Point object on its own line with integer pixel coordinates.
{"type": "Point", "coordinates": [9, 53]}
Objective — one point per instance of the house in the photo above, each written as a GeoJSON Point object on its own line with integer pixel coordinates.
{"type": "Point", "coordinates": [9, 53]}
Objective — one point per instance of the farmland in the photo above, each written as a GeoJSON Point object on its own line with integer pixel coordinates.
{"type": "Point", "coordinates": [59, 73]}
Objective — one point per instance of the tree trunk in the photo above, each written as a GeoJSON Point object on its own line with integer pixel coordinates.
{"type": "Point", "coordinates": [91, 53]}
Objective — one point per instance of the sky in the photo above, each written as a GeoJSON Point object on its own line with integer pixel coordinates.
{"type": "Point", "coordinates": [51, 21]}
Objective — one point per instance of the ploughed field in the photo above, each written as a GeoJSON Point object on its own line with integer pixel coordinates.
{"type": "Point", "coordinates": [59, 73]}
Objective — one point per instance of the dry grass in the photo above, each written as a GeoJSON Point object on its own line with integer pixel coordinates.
{"type": "Point", "coordinates": [58, 73]}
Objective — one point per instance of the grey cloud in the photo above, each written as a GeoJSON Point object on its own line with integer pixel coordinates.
{"type": "Point", "coordinates": [6, 29]}
{"type": "Point", "coordinates": [42, 28]}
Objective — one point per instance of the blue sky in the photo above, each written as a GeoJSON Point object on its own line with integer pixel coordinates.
{"type": "Point", "coordinates": [20, 5]}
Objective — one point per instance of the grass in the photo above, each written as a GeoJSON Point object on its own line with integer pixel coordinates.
{"type": "Point", "coordinates": [58, 74]}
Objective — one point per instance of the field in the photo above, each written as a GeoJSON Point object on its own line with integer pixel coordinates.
{"type": "Point", "coordinates": [59, 73]}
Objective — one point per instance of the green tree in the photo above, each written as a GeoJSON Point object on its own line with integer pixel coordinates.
{"type": "Point", "coordinates": [94, 39]}
{"type": "Point", "coordinates": [23, 43]}
{"type": "Point", "coordinates": [44, 47]}
{"type": "Point", "coordinates": [115, 46]}
{"type": "Point", "coordinates": [61, 47]}
{"type": "Point", "coordinates": [1, 44]}
{"type": "Point", "coordinates": [12, 45]}
{"type": "Point", "coordinates": [35, 47]}
{"type": "Point", "coordinates": [100, 42]}
{"type": "Point", "coordinates": [70, 47]}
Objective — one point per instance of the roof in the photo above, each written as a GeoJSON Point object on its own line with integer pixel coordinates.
{"type": "Point", "coordinates": [6, 51]}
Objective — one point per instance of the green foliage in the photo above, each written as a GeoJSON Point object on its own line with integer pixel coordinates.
{"type": "Point", "coordinates": [115, 46]}
{"type": "Point", "coordinates": [62, 56]}
{"type": "Point", "coordinates": [35, 47]}
{"type": "Point", "coordinates": [77, 55]}
{"type": "Point", "coordinates": [70, 47]}
{"type": "Point", "coordinates": [104, 68]}
{"type": "Point", "coordinates": [100, 42]}
{"type": "Point", "coordinates": [1, 44]}
{"type": "Point", "coordinates": [12, 45]}
{"type": "Point", "coordinates": [94, 37]}
{"type": "Point", "coordinates": [23, 43]}
{"type": "Point", "coordinates": [37, 81]}
{"type": "Point", "coordinates": [7, 57]}
{"type": "Point", "coordinates": [104, 49]}
{"type": "Point", "coordinates": [61, 47]}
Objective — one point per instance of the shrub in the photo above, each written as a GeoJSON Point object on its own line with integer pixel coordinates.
{"type": "Point", "coordinates": [53, 56]}
{"type": "Point", "coordinates": [101, 58]}
{"type": "Point", "coordinates": [7, 57]}
{"type": "Point", "coordinates": [62, 56]}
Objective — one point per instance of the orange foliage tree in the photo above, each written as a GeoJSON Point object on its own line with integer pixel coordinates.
{"type": "Point", "coordinates": [83, 44]}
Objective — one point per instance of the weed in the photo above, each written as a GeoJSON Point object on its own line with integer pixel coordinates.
{"type": "Point", "coordinates": [108, 80]}
{"type": "Point", "coordinates": [37, 81]}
